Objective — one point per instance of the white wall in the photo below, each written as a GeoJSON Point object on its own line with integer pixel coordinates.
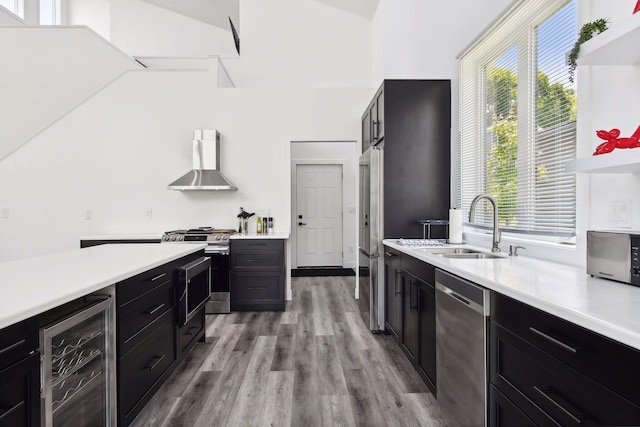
{"type": "Point", "coordinates": [47, 70]}
{"type": "Point", "coordinates": [301, 43]}
{"type": "Point", "coordinates": [117, 152]}
{"type": "Point", "coordinates": [421, 39]}
{"type": "Point", "coordinates": [8, 18]}
{"type": "Point", "coordinates": [95, 14]}
{"type": "Point", "coordinates": [607, 99]}
{"type": "Point", "coordinates": [328, 151]}
{"type": "Point", "coordinates": [141, 29]}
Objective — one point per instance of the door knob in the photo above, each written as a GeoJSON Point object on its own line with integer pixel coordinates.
{"type": "Point", "coordinates": [302, 223]}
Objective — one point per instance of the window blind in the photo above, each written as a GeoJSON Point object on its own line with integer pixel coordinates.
{"type": "Point", "coordinates": [517, 120]}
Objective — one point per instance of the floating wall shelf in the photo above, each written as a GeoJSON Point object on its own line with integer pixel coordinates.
{"type": "Point", "coordinates": [618, 45]}
{"type": "Point", "coordinates": [618, 161]}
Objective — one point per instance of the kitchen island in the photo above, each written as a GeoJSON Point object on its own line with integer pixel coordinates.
{"type": "Point", "coordinates": [32, 286]}
{"type": "Point", "coordinates": [142, 341]}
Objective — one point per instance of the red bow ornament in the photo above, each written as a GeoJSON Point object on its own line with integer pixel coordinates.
{"type": "Point", "coordinates": [612, 141]}
{"type": "Point", "coordinates": [637, 9]}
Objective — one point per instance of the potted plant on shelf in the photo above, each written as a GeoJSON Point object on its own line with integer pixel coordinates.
{"type": "Point", "coordinates": [587, 32]}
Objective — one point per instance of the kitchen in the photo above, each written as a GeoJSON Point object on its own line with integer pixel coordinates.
{"type": "Point", "coordinates": [150, 130]}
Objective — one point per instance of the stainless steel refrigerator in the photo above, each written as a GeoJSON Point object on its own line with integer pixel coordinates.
{"type": "Point", "coordinates": [370, 263]}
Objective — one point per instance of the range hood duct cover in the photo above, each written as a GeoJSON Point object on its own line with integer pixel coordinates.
{"type": "Point", "coordinates": [206, 164]}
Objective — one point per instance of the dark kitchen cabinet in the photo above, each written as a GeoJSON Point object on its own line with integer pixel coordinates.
{"type": "Point", "coordinates": [411, 121]}
{"type": "Point", "coordinates": [503, 413]}
{"type": "Point", "coordinates": [149, 342]}
{"type": "Point", "coordinates": [20, 375]}
{"type": "Point", "coordinates": [257, 274]}
{"type": "Point", "coordinates": [410, 313]}
{"type": "Point", "coordinates": [426, 363]}
{"type": "Point", "coordinates": [366, 130]}
{"type": "Point", "coordinates": [373, 121]}
{"type": "Point", "coordinates": [410, 301]}
{"type": "Point", "coordinates": [393, 292]}
{"type": "Point", "coordinates": [557, 373]}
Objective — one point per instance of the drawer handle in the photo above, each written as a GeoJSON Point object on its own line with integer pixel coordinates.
{"type": "Point", "coordinates": [390, 254]}
{"type": "Point", "coordinates": [193, 330]}
{"type": "Point", "coordinates": [257, 287]}
{"type": "Point", "coordinates": [555, 341]}
{"type": "Point", "coordinates": [155, 361]}
{"type": "Point", "coordinates": [159, 276]}
{"type": "Point", "coordinates": [11, 410]}
{"type": "Point", "coordinates": [13, 346]}
{"type": "Point", "coordinates": [258, 244]}
{"type": "Point", "coordinates": [154, 310]}
{"type": "Point", "coordinates": [576, 416]}
{"type": "Point", "coordinates": [257, 260]}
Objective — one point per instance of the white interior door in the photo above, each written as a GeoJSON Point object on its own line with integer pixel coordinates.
{"type": "Point", "coordinates": [319, 215]}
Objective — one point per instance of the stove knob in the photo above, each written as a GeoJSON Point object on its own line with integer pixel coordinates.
{"type": "Point", "coordinates": [180, 238]}
{"type": "Point", "coordinates": [164, 238]}
{"type": "Point", "coordinates": [173, 238]}
{"type": "Point", "coordinates": [217, 237]}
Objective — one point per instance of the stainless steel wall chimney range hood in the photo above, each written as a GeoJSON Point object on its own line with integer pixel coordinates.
{"type": "Point", "coordinates": [206, 164]}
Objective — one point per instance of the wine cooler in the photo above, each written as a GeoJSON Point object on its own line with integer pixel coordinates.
{"type": "Point", "coordinates": [78, 367]}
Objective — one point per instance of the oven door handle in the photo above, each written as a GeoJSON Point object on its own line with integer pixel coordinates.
{"type": "Point", "coordinates": [195, 267]}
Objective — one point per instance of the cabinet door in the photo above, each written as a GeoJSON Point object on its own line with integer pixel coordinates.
{"type": "Point", "coordinates": [20, 393]}
{"type": "Point", "coordinates": [427, 354]}
{"type": "Point", "coordinates": [366, 131]}
{"type": "Point", "coordinates": [393, 297]}
{"type": "Point", "coordinates": [377, 119]}
{"type": "Point", "coordinates": [410, 318]}
{"type": "Point", "coordinates": [503, 413]}
{"type": "Point", "coordinates": [257, 291]}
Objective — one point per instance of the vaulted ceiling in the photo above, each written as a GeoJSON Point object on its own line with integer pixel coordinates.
{"type": "Point", "coordinates": [218, 12]}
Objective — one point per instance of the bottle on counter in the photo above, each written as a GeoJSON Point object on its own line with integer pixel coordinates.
{"type": "Point", "coordinates": [270, 225]}
{"type": "Point", "coordinates": [259, 225]}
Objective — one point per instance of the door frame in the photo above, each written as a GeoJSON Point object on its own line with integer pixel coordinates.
{"type": "Point", "coordinates": [294, 203]}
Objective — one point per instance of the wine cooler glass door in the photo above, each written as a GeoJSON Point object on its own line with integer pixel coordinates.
{"type": "Point", "coordinates": [76, 369]}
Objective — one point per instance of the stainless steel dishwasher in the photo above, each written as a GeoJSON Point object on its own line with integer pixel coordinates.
{"type": "Point", "coordinates": [462, 311]}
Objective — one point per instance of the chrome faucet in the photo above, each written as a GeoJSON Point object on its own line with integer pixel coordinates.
{"type": "Point", "coordinates": [496, 228]}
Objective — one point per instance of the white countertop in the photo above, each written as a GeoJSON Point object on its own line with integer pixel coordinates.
{"type": "Point", "coordinates": [609, 308]}
{"type": "Point", "coordinates": [279, 235]}
{"type": "Point", "coordinates": [124, 236]}
{"type": "Point", "coordinates": [32, 286]}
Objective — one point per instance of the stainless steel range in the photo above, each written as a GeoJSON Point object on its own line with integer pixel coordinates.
{"type": "Point", "coordinates": [217, 241]}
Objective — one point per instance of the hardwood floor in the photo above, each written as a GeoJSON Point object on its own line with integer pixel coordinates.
{"type": "Point", "coordinates": [316, 364]}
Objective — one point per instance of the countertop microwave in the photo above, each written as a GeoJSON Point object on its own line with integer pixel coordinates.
{"type": "Point", "coordinates": [614, 255]}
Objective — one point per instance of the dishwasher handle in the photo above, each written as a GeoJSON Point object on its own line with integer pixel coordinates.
{"type": "Point", "coordinates": [460, 298]}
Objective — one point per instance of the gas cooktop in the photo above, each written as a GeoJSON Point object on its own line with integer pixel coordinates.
{"type": "Point", "coordinates": [209, 235]}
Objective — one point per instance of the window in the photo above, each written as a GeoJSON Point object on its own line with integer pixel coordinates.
{"type": "Point", "coordinates": [14, 6]}
{"type": "Point", "coordinates": [518, 120]}
{"type": "Point", "coordinates": [49, 12]}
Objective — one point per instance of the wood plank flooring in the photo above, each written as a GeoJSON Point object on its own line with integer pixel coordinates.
{"type": "Point", "coordinates": [316, 364]}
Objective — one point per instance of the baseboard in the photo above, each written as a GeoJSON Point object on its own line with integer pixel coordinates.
{"type": "Point", "coordinates": [322, 271]}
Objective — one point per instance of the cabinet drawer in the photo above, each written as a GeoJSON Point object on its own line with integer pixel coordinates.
{"type": "Point", "coordinates": [135, 315]}
{"type": "Point", "coordinates": [20, 393]}
{"type": "Point", "coordinates": [188, 333]}
{"type": "Point", "coordinates": [260, 244]}
{"type": "Point", "coordinates": [144, 365]}
{"type": "Point", "coordinates": [257, 291]}
{"type": "Point", "coordinates": [601, 358]}
{"type": "Point", "coordinates": [528, 376]}
{"type": "Point", "coordinates": [258, 260]}
{"type": "Point", "coordinates": [422, 270]}
{"type": "Point", "coordinates": [142, 283]}
{"type": "Point", "coordinates": [503, 413]}
{"type": "Point", "coordinates": [18, 341]}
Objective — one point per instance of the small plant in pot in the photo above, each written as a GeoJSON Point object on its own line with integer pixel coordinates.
{"type": "Point", "coordinates": [587, 32]}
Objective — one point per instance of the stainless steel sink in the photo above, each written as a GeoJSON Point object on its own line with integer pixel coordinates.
{"type": "Point", "coordinates": [449, 251]}
{"type": "Point", "coordinates": [471, 255]}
